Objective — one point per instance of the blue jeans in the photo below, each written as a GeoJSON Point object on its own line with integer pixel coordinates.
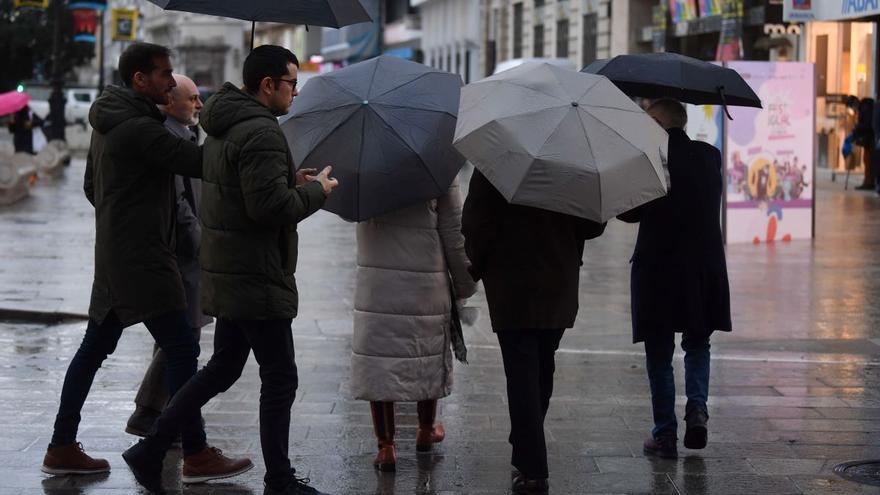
{"type": "Point", "coordinates": [658, 358]}
{"type": "Point", "coordinates": [174, 337]}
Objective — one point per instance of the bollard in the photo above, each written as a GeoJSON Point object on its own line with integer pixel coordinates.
{"type": "Point", "coordinates": [16, 172]}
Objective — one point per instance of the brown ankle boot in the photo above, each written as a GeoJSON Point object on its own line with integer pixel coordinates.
{"type": "Point", "coordinates": [211, 464]}
{"type": "Point", "coordinates": [429, 432]}
{"type": "Point", "coordinates": [72, 459]}
{"type": "Point", "coordinates": [383, 425]}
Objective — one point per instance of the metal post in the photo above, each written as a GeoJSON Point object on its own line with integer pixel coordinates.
{"type": "Point", "coordinates": [56, 100]}
{"type": "Point", "coordinates": [253, 33]}
{"type": "Point", "coordinates": [101, 50]}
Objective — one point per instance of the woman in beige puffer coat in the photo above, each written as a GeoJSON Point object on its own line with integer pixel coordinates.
{"type": "Point", "coordinates": [402, 310]}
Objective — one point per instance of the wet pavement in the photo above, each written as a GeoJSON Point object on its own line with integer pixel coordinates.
{"type": "Point", "coordinates": [794, 388]}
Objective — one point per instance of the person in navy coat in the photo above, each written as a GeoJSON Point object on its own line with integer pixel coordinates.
{"type": "Point", "coordinates": [679, 280]}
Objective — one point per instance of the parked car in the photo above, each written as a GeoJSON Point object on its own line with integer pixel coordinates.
{"type": "Point", "coordinates": [76, 110]}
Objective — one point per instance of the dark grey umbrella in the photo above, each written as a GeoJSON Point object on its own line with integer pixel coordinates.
{"type": "Point", "coordinates": [329, 13]}
{"type": "Point", "coordinates": [656, 75]}
{"type": "Point", "coordinates": [386, 127]}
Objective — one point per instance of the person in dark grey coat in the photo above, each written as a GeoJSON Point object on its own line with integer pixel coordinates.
{"type": "Point", "coordinates": [251, 204]}
{"type": "Point", "coordinates": [529, 261]}
{"type": "Point", "coordinates": [679, 280]}
{"type": "Point", "coordinates": [181, 112]}
{"type": "Point", "coordinates": [129, 179]}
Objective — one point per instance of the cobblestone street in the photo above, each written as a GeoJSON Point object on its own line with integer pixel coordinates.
{"type": "Point", "coordinates": [794, 388]}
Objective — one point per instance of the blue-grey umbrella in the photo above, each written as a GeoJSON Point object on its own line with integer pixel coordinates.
{"type": "Point", "coordinates": [655, 75]}
{"type": "Point", "coordinates": [329, 13]}
{"type": "Point", "coordinates": [386, 127]}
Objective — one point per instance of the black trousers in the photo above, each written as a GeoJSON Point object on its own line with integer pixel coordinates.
{"type": "Point", "coordinates": [272, 343]}
{"type": "Point", "coordinates": [529, 364]}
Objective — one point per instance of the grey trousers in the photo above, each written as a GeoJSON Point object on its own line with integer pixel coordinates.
{"type": "Point", "coordinates": [153, 392]}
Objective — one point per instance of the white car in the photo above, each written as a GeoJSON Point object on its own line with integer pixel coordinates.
{"type": "Point", "coordinates": [76, 109]}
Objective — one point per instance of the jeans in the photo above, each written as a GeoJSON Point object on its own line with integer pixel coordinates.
{"type": "Point", "coordinates": [529, 364]}
{"type": "Point", "coordinates": [272, 343]}
{"type": "Point", "coordinates": [658, 357]}
{"type": "Point", "coordinates": [153, 392]}
{"type": "Point", "coordinates": [173, 334]}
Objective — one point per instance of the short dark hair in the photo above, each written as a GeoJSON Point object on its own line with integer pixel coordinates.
{"type": "Point", "coordinates": [674, 113]}
{"type": "Point", "coordinates": [266, 61]}
{"type": "Point", "coordinates": [140, 57]}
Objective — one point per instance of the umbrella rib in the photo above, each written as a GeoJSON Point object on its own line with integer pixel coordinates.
{"type": "Point", "coordinates": [324, 110]}
{"type": "Point", "coordinates": [401, 85]}
{"type": "Point", "coordinates": [625, 140]}
{"type": "Point", "coordinates": [549, 135]}
{"type": "Point", "coordinates": [389, 105]}
{"type": "Point", "coordinates": [343, 88]}
{"type": "Point", "coordinates": [327, 136]}
{"type": "Point", "coordinates": [424, 165]}
{"type": "Point", "coordinates": [507, 81]}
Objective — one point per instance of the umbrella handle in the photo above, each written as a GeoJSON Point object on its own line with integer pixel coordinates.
{"type": "Point", "coordinates": [724, 102]}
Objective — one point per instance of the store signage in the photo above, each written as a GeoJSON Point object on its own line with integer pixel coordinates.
{"type": "Point", "coordinates": [829, 10]}
{"type": "Point", "coordinates": [123, 23]}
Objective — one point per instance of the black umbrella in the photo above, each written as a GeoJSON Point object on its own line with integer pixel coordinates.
{"type": "Point", "coordinates": [329, 13]}
{"type": "Point", "coordinates": [386, 126]}
{"type": "Point", "coordinates": [657, 75]}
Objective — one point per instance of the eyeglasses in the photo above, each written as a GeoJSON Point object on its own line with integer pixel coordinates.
{"type": "Point", "coordinates": [292, 82]}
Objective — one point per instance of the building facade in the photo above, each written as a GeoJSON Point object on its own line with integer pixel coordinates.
{"type": "Point", "coordinates": [451, 36]}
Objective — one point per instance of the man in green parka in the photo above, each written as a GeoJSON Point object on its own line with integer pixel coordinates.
{"type": "Point", "coordinates": [251, 203]}
{"type": "Point", "coordinates": [129, 180]}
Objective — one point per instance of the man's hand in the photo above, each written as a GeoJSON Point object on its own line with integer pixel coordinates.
{"type": "Point", "coordinates": [305, 175]}
{"type": "Point", "coordinates": [324, 178]}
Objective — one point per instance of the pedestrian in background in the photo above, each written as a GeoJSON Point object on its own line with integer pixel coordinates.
{"type": "Point", "coordinates": [251, 204]}
{"type": "Point", "coordinates": [23, 124]}
{"type": "Point", "coordinates": [863, 136]}
{"type": "Point", "coordinates": [401, 352]}
{"type": "Point", "coordinates": [529, 261]}
{"type": "Point", "coordinates": [679, 281]}
{"type": "Point", "coordinates": [129, 180]}
{"type": "Point", "coordinates": [181, 114]}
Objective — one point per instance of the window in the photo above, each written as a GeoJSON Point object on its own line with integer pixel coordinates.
{"type": "Point", "coordinates": [517, 29]}
{"type": "Point", "coordinates": [591, 25]}
{"type": "Point", "coordinates": [562, 38]}
{"type": "Point", "coordinates": [539, 40]}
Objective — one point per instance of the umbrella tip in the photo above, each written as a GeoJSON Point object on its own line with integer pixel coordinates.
{"type": "Point", "coordinates": [575, 104]}
{"type": "Point", "coordinates": [366, 102]}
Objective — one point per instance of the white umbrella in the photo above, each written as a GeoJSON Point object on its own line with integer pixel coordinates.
{"type": "Point", "coordinates": [562, 140]}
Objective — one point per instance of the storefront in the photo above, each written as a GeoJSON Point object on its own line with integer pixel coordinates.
{"type": "Point", "coordinates": [840, 38]}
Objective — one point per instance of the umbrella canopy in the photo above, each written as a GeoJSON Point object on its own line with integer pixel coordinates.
{"type": "Point", "coordinates": [12, 102]}
{"type": "Point", "coordinates": [330, 13]}
{"type": "Point", "coordinates": [561, 140]}
{"type": "Point", "coordinates": [386, 126]}
{"type": "Point", "coordinates": [657, 75]}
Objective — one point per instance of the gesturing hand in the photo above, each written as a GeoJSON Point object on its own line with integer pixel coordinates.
{"type": "Point", "coordinates": [327, 182]}
{"type": "Point", "coordinates": [305, 175]}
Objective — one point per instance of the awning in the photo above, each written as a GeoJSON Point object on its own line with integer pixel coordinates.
{"type": "Point", "coordinates": [829, 10]}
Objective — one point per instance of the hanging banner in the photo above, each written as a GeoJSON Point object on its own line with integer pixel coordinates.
{"type": "Point", "coordinates": [704, 124]}
{"type": "Point", "coordinates": [682, 10]}
{"type": "Point", "coordinates": [730, 40]}
{"type": "Point", "coordinates": [100, 5]}
{"type": "Point", "coordinates": [710, 7]}
{"type": "Point", "coordinates": [30, 4]}
{"type": "Point", "coordinates": [85, 25]}
{"type": "Point", "coordinates": [123, 24]}
{"type": "Point", "coordinates": [770, 155]}
{"type": "Point", "coordinates": [828, 10]}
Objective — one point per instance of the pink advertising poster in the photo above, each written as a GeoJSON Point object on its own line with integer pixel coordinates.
{"type": "Point", "coordinates": [770, 155]}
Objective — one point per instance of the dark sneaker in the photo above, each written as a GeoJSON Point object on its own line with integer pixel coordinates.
{"type": "Point", "coordinates": [697, 432]}
{"type": "Point", "coordinates": [662, 446]}
{"type": "Point", "coordinates": [211, 464]}
{"type": "Point", "coordinates": [297, 486]}
{"type": "Point", "coordinates": [146, 465]}
{"type": "Point", "coordinates": [72, 459]}
{"type": "Point", "coordinates": [522, 485]}
{"type": "Point", "coordinates": [140, 421]}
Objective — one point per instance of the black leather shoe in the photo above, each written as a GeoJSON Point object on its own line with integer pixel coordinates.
{"type": "Point", "coordinates": [296, 486]}
{"type": "Point", "coordinates": [664, 446]}
{"type": "Point", "coordinates": [522, 485]}
{"type": "Point", "coordinates": [146, 465]}
{"type": "Point", "coordinates": [697, 432]}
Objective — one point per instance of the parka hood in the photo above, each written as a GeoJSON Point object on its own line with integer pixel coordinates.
{"type": "Point", "coordinates": [229, 107]}
{"type": "Point", "coordinates": [117, 105]}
